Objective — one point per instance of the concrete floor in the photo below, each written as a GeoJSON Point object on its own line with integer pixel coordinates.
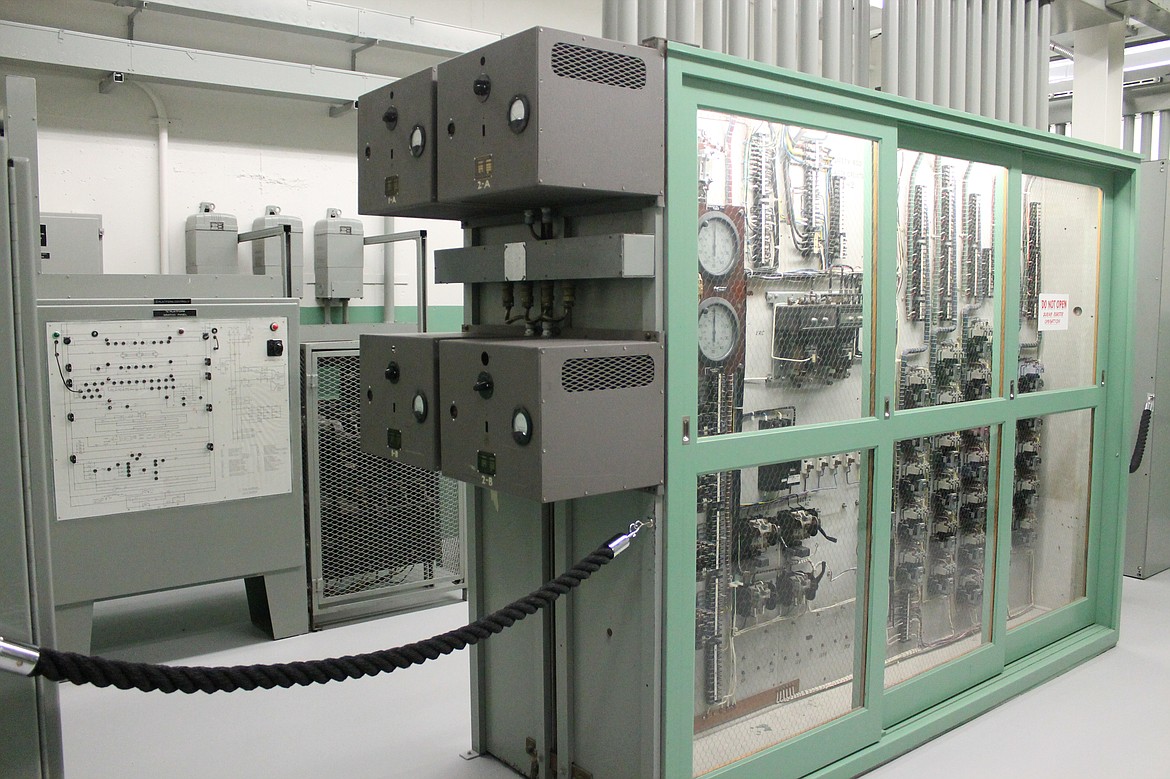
{"type": "Point", "coordinates": [1106, 718]}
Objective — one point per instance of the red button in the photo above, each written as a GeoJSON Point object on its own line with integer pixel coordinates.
{"type": "Point", "coordinates": [274, 327]}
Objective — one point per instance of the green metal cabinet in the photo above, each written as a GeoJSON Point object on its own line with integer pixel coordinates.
{"type": "Point", "coordinates": [961, 392]}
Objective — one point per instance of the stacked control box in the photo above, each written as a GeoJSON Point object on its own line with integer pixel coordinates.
{"type": "Point", "coordinates": [543, 419]}
{"type": "Point", "coordinates": [400, 382]}
{"type": "Point", "coordinates": [397, 173]}
{"type": "Point", "coordinates": [552, 420]}
{"type": "Point", "coordinates": [500, 130]}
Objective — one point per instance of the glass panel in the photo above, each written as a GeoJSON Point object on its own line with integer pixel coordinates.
{"type": "Point", "coordinates": [1058, 293]}
{"type": "Point", "coordinates": [948, 221]}
{"type": "Point", "coordinates": [777, 604]}
{"type": "Point", "coordinates": [1050, 513]}
{"type": "Point", "coordinates": [937, 550]}
{"type": "Point", "coordinates": [783, 250]}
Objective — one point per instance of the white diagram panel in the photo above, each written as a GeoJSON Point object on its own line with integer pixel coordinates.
{"type": "Point", "coordinates": [153, 414]}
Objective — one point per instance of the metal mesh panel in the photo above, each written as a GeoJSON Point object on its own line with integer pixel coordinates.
{"type": "Point", "coordinates": [384, 525]}
{"type": "Point", "coordinates": [601, 67]}
{"type": "Point", "coordinates": [590, 374]}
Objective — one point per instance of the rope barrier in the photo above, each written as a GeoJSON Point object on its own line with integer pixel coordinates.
{"type": "Point", "coordinates": [19, 658]}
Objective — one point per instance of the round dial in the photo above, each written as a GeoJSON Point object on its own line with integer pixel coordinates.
{"type": "Point", "coordinates": [718, 329]}
{"type": "Point", "coordinates": [518, 114]}
{"type": "Point", "coordinates": [418, 140]}
{"type": "Point", "coordinates": [418, 406]}
{"type": "Point", "coordinates": [718, 243]}
{"type": "Point", "coordinates": [521, 426]}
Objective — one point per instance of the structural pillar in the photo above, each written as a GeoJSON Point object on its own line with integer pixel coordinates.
{"type": "Point", "coordinates": [1097, 83]}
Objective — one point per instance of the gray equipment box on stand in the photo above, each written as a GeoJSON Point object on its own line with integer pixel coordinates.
{"type": "Point", "coordinates": [338, 257]}
{"type": "Point", "coordinates": [268, 254]}
{"type": "Point", "coordinates": [212, 240]}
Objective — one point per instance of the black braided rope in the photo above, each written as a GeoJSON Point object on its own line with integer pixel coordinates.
{"type": "Point", "coordinates": [84, 669]}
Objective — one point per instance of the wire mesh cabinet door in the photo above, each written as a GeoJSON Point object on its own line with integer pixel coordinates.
{"type": "Point", "coordinates": [382, 536]}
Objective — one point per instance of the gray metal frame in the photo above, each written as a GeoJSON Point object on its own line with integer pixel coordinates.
{"type": "Point", "coordinates": [32, 725]}
{"type": "Point", "coordinates": [1147, 532]}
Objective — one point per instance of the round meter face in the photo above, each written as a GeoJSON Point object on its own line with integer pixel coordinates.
{"type": "Point", "coordinates": [518, 114]}
{"type": "Point", "coordinates": [418, 406]}
{"type": "Point", "coordinates": [718, 329]}
{"type": "Point", "coordinates": [418, 140]}
{"type": "Point", "coordinates": [522, 426]}
{"type": "Point", "coordinates": [718, 243]}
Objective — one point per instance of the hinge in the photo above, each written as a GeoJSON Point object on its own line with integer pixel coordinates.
{"type": "Point", "coordinates": [310, 380]}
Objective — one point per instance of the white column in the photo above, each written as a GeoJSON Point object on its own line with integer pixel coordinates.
{"type": "Point", "coordinates": [654, 14]}
{"type": "Point", "coordinates": [619, 20]}
{"type": "Point", "coordinates": [764, 41]}
{"type": "Point", "coordinates": [787, 21]}
{"type": "Point", "coordinates": [959, 55]}
{"type": "Point", "coordinates": [713, 25]}
{"type": "Point", "coordinates": [1097, 80]}
{"type": "Point", "coordinates": [737, 28]}
{"type": "Point", "coordinates": [810, 36]}
{"type": "Point", "coordinates": [890, 32]}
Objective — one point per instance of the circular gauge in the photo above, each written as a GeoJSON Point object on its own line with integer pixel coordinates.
{"type": "Point", "coordinates": [718, 243]}
{"type": "Point", "coordinates": [418, 140]}
{"type": "Point", "coordinates": [419, 406]}
{"type": "Point", "coordinates": [718, 329]}
{"type": "Point", "coordinates": [521, 426]}
{"type": "Point", "coordinates": [518, 114]}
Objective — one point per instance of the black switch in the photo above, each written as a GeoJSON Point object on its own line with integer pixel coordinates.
{"type": "Point", "coordinates": [275, 347]}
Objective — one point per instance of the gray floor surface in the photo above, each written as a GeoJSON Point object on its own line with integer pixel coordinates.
{"type": "Point", "coordinates": [1109, 717]}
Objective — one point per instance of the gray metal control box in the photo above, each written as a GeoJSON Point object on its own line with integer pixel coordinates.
{"type": "Point", "coordinates": [513, 130]}
{"type": "Point", "coordinates": [396, 150]}
{"type": "Point", "coordinates": [71, 243]}
{"type": "Point", "coordinates": [552, 420]}
{"type": "Point", "coordinates": [400, 397]}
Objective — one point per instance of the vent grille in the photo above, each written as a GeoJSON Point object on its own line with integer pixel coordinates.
{"type": "Point", "coordinates": [600, 67]}
{"type": "Point", "coordinates": [593, 374]}
{"type": "Point", "coordinates": [386, 528]}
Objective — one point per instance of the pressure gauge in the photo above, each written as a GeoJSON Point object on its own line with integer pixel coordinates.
{"type": "Point", "coordinates": [718, 243]}
{"type": "Point", "coordinates": [418, 140]}
{"type": "Point", "coordinates": [718, 329]}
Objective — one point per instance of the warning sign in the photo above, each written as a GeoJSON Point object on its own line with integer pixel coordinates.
{"type": "Point", "coordinates": [1053, 312]}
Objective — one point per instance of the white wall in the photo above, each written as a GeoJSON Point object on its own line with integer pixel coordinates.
{"type": "Point", "coordinates": [240, 151]}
